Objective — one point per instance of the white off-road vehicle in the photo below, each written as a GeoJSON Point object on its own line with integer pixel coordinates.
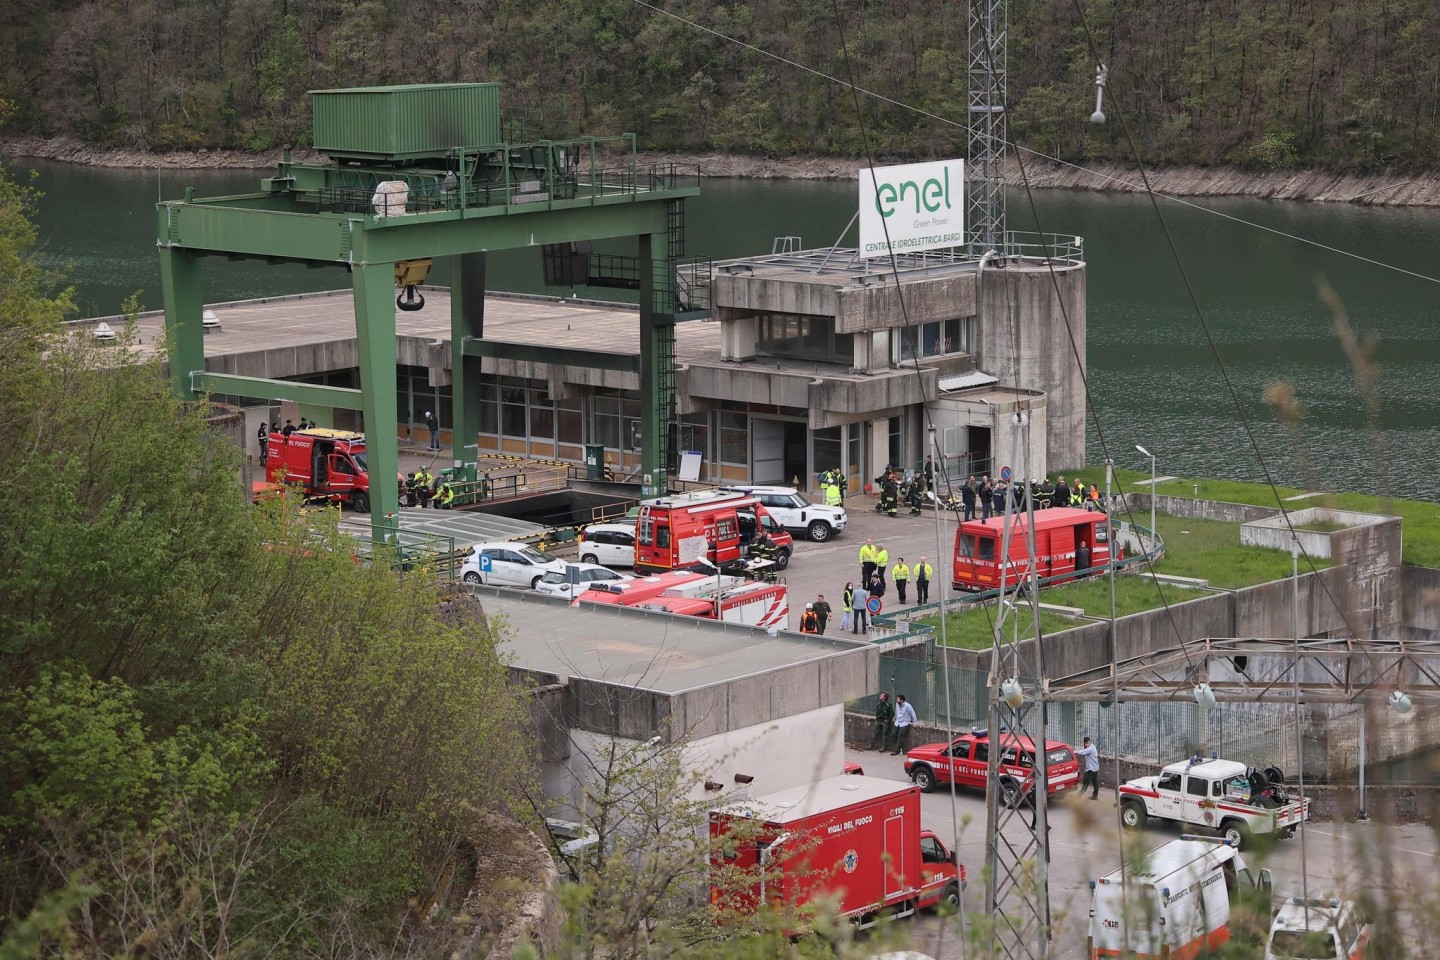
{"type": "Point", "coordinates": [1221, 795]}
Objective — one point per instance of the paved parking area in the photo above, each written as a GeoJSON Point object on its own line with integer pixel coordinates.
{"type": "Point", "coordinates": [824, 568]}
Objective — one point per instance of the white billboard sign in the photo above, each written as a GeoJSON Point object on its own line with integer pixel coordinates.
{"type": "Point", "coordinates": [920, 206]}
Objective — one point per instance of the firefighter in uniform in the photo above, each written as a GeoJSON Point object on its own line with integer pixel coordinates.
{"type": "Point", "coordinates": [809, 623]}
{"type": "Point", "coordinates": [445, 496]}
{"type": "Point", "coordinates": [891, 496]}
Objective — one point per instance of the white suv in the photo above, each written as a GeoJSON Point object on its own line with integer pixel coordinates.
{"type": "Point", "coordinates": [611, 544]}
{"type": "Point", "coordinates": [794, 511]}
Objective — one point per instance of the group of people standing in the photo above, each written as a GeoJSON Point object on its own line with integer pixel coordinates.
{"type": "Point", "coordinates": [988, 497]}
{"type": "Point", "coordinates": [423, 490]}
{"type": "Point", "coordinates": [874, 568]}
{"type": "Point", "coordinates": [892, 724]}
{"type": "Point", "coordinates": [895, 489]}
{"type": "Point", "coordinates": [832, 484]}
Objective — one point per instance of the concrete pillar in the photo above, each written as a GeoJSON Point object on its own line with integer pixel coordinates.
{"type": "Point", "coordinates": [739, 336]}
{"type": "Point", "coordinates": [374, 285]}
{"type": "Point", "coordinates": [657, 360]}
{"type": "Point", "coordinates": [467, 320]}
{"type": "Point", "coordinates": [184, 297]}
{"type": "Point", "coordinates": [877, 449]}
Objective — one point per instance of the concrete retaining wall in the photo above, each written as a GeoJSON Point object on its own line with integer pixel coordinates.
{"type": "Point", "coordinates": [1398, 803]}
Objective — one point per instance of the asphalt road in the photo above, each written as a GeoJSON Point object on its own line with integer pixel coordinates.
{"type": "Point", "coordinates": [1085, 843]}
{"type": "Point", "coordinates": [824, 568]}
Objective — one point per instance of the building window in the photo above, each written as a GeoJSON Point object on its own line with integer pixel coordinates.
{"type": "Point", "coordinates": [512, 411]}
{"type": "Point", "coordinates": [825, 449]}
{"type": "Point", "coordinates": [734, 438]}
{"type": "Point", "coordinates": [935, 339]}
{"type": "Point", "coordinates": [572, 420]}
{"type": "Point", "coordinates": [804, 337]}
{"type": "Point", "coordinates": [489, 408]}
{"type": "Point", "coordinates": [695, 434]}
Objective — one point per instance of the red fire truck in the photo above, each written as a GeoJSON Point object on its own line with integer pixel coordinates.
{"type": "Point", "coordinates": [856, 839]}
{"type": "Point", "coordinates": [716, 525]}
{"type": "Point", "coordinates": [675, 583]}
{"type": "Point", "coordinates": [1059, 534]}
{"type": "Point", "coordinates": [753, 604]}
{"type": "Point", "coordinates": [324, 462]}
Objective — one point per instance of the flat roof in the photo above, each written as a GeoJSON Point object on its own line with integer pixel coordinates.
{"type": "Point", "coordinates": [253, 326]}
{"type": "Point", "coordinates": [646, 649]}
{"type": "Point", "coordinates": [797, 803]}
{"type": "Point", "coordinates": [844, 267]}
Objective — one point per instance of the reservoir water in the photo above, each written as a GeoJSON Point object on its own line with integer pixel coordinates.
{"type": "Point", "coordinates": [1154, 377]}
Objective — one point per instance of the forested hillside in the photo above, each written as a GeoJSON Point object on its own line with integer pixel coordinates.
{"type": "Point", "coordinates": [1346, 84]}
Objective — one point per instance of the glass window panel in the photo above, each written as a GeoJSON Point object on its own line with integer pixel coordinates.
{"type": "Point", "coordinates": [542, 422]}
{"type": "Point", "coordinates": [825, 449]}
{"type": "Point", "coordinates": [907, 341]}
{"type": "Point", "coordinates": [607, 431]}
{"type": "Point", "coordinates": [444, 407]}
{"type": "Point", "coordinates": [730, 420]}
{"type": "Point", "coordinates": [571, 426]}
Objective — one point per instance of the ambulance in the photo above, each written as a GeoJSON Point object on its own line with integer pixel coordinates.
{"type": "Point", "coordinates": [1174, 901]}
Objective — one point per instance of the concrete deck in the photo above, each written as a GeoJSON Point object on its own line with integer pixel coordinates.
{"type": "Point", "coordinates": [302, 321]}
{"type": "Point", "coordinates": [647, 649]}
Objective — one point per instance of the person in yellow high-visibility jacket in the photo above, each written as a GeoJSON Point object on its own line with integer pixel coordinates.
{"type": "Point", "coordinates": [901, 576]}
{"type": "Point", "coordinates": [882, 560]}
{"type": "Point", "coordinates": [924, 573]}
{"type": "Point", "coordinates": [867, 561]}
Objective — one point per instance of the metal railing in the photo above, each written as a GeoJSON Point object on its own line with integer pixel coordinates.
{"type": "Point", "coordinates": [515, 174]}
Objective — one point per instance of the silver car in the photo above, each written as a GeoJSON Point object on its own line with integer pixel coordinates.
{"type": "Point", "coordinates": [576, 578]}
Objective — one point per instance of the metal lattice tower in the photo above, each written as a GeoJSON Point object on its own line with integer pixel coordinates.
{"type": "Point", "coordinates": [1017, 884]}
{"type": "Point", "coordinates": [985, 199]}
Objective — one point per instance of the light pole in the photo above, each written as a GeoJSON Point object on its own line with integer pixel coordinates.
{"type": "Point", "coordinates": [1152, 494]}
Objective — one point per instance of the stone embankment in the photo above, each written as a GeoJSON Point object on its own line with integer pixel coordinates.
{"type": "Point", "coordinates": [1381, 189]}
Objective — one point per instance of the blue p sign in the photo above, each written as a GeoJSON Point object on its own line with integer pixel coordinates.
{"type": "Point", "coordinates": [486, 564]}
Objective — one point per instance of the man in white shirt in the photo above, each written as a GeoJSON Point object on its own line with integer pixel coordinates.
{"type": "Point", "coordinates": [1090, 760]}
{"type": "Point", "coordinates": [904, 719]}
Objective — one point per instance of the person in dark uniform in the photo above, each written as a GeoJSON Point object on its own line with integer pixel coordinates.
{"type": "Point", "coordinates": [967, 497]}
{"type": "Point", "coordinates": [891, 497]}
{"type": "Point", "coordinates": [1061, 495]}
{"type": "Point", "coordinates": [263, 436]}
{"type": "Point", "coordinates": [986, 495]}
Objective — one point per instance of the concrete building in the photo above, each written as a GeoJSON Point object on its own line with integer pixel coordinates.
{"type": "Point", "coordinates": [766, 709]}
{"type": "Point", "coordinates": [813, 359]}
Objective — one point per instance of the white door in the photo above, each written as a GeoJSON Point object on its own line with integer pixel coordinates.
{"type": "Point", "coordinates": [767, 451]}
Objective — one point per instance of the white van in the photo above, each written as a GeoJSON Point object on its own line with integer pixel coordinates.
{"type": "Point", "coordinates": [794, 511]}
{"type": "Point", "coordinates": [1317, 929]}
{"type": "Point", "coordinates": [1173, 901]}
{"type": "Point", "coordinates": [610, 544]}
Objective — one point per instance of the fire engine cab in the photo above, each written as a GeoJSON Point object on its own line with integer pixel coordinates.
{"type": "Point", "coordinates": [721, 526]}
{"type": "Point", "coordinates": [324, 462]}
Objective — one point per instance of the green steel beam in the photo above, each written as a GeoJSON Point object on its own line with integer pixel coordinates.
{"type": "Point", "coordinates": [212, 228]}
{"type": "Point", "coordinates": [260, 388]}
{"type": "Point", "coordinates": [467, 320]}
{"type": "Point", "coordinates": [560, 356]}
{"type": "Point", "coordinates": [375, 337]}
{"type": "Point", "coordinates": [184, 317]}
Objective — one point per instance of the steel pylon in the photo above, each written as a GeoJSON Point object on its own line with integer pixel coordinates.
{"type": "Point", "coordinates": [1017, 881]}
